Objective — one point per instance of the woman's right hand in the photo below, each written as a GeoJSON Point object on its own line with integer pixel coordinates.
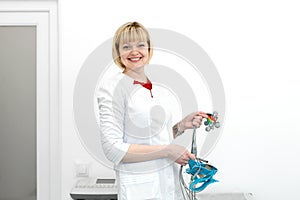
{"type": "Point", "coordinates": [179, 154]}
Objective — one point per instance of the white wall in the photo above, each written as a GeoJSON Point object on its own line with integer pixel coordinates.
{"type": "Point", "coordinates": [254, 44]}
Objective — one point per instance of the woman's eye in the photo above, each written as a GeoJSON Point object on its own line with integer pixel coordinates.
{"type": "Point", "coordinates": [141, 45]}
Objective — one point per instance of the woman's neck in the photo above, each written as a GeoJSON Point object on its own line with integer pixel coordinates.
{"type": "Point", "coordinates": [137, 74]}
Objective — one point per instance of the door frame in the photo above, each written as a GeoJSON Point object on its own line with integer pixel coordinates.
{"type": "Point", "coordinates": [43, 15]}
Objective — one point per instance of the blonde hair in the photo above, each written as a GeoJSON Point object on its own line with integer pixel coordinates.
{"type": "Point", "coordinates": [130, 32]}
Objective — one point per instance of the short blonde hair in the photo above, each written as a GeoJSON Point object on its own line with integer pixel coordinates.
{"type": "Point", "coordinates": [130, 32]}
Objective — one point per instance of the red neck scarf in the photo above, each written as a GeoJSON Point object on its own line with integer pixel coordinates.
{"type": "Point", "coordinates": [147, 85]}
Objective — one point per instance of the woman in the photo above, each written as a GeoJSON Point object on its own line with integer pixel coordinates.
{"type": "Point", "coordinates": [136, 123]}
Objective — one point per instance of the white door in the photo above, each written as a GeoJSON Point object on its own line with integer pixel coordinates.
{"type": "Point", "coordinates": [29, 105]}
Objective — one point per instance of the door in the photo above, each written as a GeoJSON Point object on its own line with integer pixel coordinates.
{"type": "Point", "coordinates": [18, 112]}
{"type": "Point", "coordinates": [29, 101]}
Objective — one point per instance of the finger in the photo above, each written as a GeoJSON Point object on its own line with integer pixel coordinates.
{"type": "Point", "coordinates": [183, 158]}
{"type": "Point", "coordinates": [181, 162]}
{"type": "Point", "coordinates": [198, 117]}
{"type": "Point", "coordinates": [192, 156]}
{"type": "Point", "coordinates": [195, 114]}
{"type": "Point", "coordinates": [198, 120]}
{"type": "Point", "coordinates": [203, 114]}
{"type": "Point", "coordinates": [187, 156]}
{"type": "Point", "coordinates": [197, 123]}
{"type": "Point", "coordinates": [186, 162]}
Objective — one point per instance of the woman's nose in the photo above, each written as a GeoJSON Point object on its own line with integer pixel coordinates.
{"type": "Point", "coordinates": [134, 51]}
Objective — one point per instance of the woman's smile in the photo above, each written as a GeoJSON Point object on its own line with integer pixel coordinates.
{"type": "Point", "coordinates": [135, 59]}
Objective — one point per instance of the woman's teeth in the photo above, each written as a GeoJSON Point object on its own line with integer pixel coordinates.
{"type": "Point", "coordinates": [135, 59]}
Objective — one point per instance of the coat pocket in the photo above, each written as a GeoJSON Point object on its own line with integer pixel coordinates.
{"type": "Point", "coordinates": [139, 187]}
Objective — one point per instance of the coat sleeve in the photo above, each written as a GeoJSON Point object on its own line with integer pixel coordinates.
{"type": "Point", "coordinates": [111, 106]}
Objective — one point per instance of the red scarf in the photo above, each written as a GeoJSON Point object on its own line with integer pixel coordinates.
{"type": "Point", "coordinates": [147, 85]}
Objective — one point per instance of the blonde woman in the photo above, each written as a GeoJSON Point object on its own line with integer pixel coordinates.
{"type": "Point", "coordinates": [136, 123]}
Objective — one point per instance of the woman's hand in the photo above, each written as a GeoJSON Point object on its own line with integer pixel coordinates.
{"type": "Point", "coordinates": [179, 154]}
{"type": "Point", "coordinates": [191, 120]}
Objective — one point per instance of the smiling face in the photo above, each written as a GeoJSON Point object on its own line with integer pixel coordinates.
{"type": "Point", "coordinates": [134, 54]}
{"type": "Point", "coordinates": [132, 46]}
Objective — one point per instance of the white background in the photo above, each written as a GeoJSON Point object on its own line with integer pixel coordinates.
{"type": "Point", "coordinates": [255, 46]}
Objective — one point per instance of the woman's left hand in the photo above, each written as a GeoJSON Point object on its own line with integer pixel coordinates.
{"type": "Point", "coordinates": [191, 120]}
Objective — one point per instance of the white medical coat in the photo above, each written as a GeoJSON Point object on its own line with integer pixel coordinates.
{"type": "Point", "coordinates": [129, 115]}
